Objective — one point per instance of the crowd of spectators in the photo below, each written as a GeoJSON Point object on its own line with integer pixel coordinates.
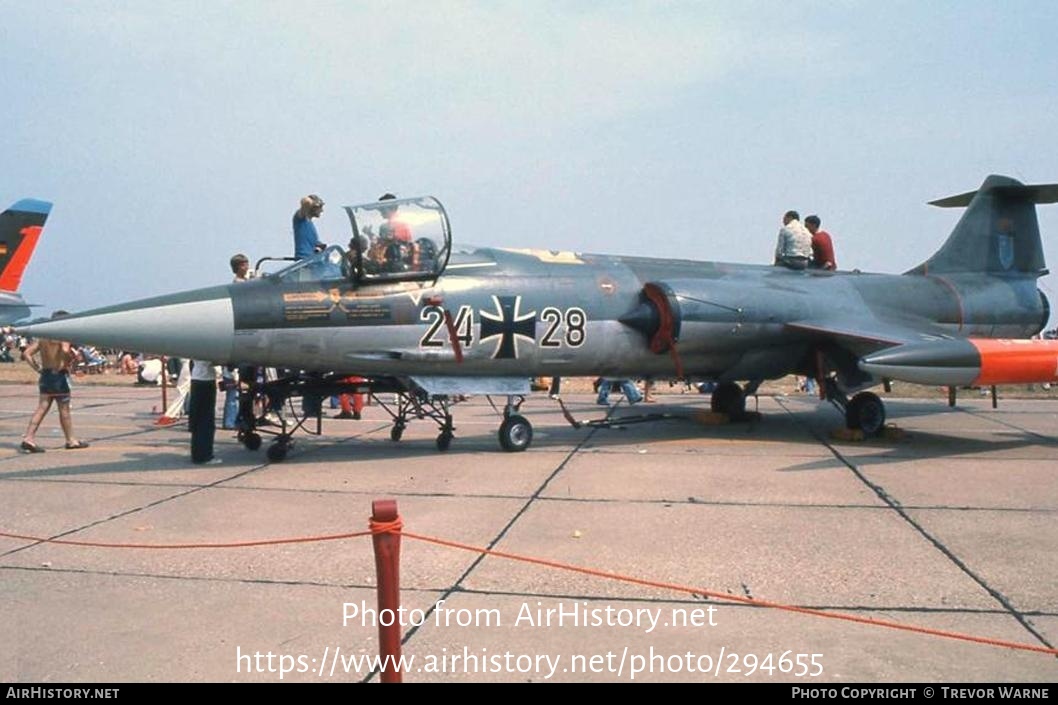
{"type": "Point", "coordinates": [90, 360]}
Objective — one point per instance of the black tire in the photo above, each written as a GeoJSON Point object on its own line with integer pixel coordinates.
{"type": "Point", "coordinates": [396, 432]}
{"type": "Point", "coordinates": [277, 452]}
{"type": "Point", "coordinates": [866, 412]}
{"type": "Point", "coordinates": [444, 440]}
{"type": "Point", "coordinates": [728, 399]}
{"type": "Point", "coordinates": [252, 441]}
{"type": "Point", "coordinates": [516, 433]}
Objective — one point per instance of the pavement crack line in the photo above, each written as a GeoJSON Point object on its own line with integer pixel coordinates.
{"type": "Point", "coordinates": [148, 505]}
{"type": "Point", "coordinates": [135, 510]}
{"type": "Point", "coordinates": [895, 505]}
{"type": "Point", "coordinates": [456, 586]}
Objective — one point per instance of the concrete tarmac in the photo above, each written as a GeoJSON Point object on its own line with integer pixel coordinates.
{"type": "Point", "coordinates": [764, 551]}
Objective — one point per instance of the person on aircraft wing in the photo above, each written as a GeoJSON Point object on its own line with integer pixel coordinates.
{"type": "Point", "coordinates": [822, 245]}
{"type": "Point", "coordinates": [306, 239]}
{"type": "Point", "coordinates": [794, 247]}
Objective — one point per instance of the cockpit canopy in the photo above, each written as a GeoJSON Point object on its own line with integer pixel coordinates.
{"type": "Point", "coordinates": [399, 240]}
{"type": "Point", "coordinates": [395, 240]}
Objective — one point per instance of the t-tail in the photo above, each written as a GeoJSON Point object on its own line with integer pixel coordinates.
{"type": "Point", "coordinates": [20, 228]}
{"type": "Point", "coordinates": [998, 234]}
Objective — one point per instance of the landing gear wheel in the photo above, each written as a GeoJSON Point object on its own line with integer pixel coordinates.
{"type": "Point", "coordinates": [251, 440]}
{"type": "Point", "coordinates": [516, 433]}
{"type": "Point", "coordinates": [444, 440]}
{"type": "Point", "coordinates": [865, 412]}
{"type": "Point", "coordinates": [396, 432]}
{"type": "Point", "coordinates": [277, 452]}
{"type": "Point", "coordinates": [728, 399]}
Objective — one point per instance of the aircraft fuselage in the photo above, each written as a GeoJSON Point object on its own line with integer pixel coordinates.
{"type": "Point", "coordinates": [512, 315]}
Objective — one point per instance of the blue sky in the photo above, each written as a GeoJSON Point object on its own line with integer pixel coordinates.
{"type": "Point", "coordinates": [172, 135]}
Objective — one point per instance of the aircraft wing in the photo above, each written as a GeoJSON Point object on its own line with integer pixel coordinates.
{"type": "Point", "coordinates": [921, 353]}
{"type": "Point", "coordinates": [865, 335]}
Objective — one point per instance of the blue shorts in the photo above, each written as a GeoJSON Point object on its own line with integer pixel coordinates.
{"type": "Point", "coordinates": [55, 384]}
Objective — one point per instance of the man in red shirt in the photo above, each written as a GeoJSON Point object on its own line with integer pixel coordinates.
{"type": "Point", "coordinates": [822, 246]}
{"type": "Point", "coordinates": [394, 228]}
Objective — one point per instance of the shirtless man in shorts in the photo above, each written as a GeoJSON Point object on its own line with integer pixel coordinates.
{"type": "Point", "coordinates": [56, 357]}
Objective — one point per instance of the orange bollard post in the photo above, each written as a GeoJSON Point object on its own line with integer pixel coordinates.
{"type": "Point", "coordinates": [385, 535]}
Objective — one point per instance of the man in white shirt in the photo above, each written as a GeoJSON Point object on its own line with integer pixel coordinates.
{"type": "Point", "coordinates": [202, 411]}
{"type": "Point", "coordinates": [231, 375]}
{"type": "Point", "coordinates": [794, 247]}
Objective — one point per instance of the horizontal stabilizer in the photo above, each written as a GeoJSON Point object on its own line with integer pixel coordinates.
{"type": "Point", "coordinates": [1039, 194]}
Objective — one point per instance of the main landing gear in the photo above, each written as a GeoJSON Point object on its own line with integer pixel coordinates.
{"type": "Point", "coordinates": [729, 398]}
{"type": "Point", "coordinates": [516, 433]}
{"type": "Point", "coordinates": [864, 412]}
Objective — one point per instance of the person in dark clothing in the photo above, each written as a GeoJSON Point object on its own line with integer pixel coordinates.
{"type": "Point", "coordinates": [238, 399]}
{"type": "Point", "coordinates": [202, 412]}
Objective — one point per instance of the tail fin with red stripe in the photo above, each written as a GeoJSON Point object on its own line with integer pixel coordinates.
{"type": "Point", "coordinates": [20, 229]}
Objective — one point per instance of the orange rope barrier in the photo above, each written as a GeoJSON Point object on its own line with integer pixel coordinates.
{"type": "Point", "coordinates": [169, 546]}
{"type": "Point", "coordinates": [736, 598]}
{"type": "Point", "coordinates": [385, 527]}
{"type": "Point", "coordinates": [396, 527]}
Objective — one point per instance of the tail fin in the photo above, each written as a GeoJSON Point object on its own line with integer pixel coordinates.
{"type": "Point", "coordinates": [998, 233]}
{"type": "Point", "coordinates": [20, 228]}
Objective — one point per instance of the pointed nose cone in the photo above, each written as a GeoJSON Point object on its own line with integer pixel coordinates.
{"type": "Point", "coordinates": [643, 318]}
{"type": "Point", "coordinates": [196, 324]}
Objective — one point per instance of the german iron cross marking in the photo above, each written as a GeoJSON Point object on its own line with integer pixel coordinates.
{"type": "Point", "coordinates": [507, 324]}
